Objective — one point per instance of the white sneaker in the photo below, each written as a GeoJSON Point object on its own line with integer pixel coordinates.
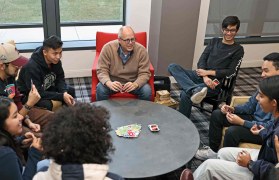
{"type": "Point", "coordinates": [205, 153]}
{"type": "Point", "coordinates": [197, 97]}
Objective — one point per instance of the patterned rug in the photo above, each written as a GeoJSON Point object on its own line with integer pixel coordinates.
{"type": "Point", "coordinates": [246, 85]}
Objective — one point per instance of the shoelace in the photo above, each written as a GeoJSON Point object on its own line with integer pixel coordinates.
{"type": "Point", "coordinates": [205, 147]}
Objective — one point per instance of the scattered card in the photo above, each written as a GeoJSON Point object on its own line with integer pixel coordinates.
{"type": "Point", "coordinates": [129, 131]}
{"type": "Point", "coordinates": [154, 127]}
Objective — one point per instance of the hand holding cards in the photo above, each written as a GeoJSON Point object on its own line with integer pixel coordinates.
{"type": "Point", "coordinates": [216, 82]}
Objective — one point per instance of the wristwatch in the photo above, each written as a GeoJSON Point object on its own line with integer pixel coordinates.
{"type": "Point", "coordinates": [249, 165]}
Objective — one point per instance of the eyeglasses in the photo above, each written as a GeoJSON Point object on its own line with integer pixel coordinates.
{"type": "Point", "coordinates": [230, 30]}
{"type": "Point", "coordinates": [127, 41]}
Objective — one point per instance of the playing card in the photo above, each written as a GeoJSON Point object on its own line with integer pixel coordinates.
{"type": "Point", "coordinates": [153, 127]}
{"type": "Point", "coordinates": [216, 82]}
{"type": "Point", "coordinates": [129, 131]}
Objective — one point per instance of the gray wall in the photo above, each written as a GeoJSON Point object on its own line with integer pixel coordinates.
{"type": "Point", "coordinates": [172, 35]}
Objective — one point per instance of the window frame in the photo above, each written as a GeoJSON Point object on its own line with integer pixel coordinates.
{"type": "Point", "coordinates": [51, 26]}
{"type": "Point", "coordinates": [252, 39]}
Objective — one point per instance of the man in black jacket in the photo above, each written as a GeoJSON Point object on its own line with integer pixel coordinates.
{"type": "Point", "coordinates": [45, 71]}
{"type": "Point", "coordinates": [221, 58]}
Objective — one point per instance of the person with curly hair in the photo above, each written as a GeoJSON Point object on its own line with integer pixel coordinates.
{"type": "Point", "coordinates": [78, 143]}
{"type": "Point", "coordinates": [11, 157]}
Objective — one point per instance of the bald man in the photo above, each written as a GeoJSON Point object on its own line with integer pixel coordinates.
{"type": "Point", "coordinates": [123, 66]}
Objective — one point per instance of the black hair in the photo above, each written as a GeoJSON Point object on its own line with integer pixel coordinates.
{"type": "Point", "coordinates": [78, 134]}
{"type": "Point", "coordinates": [6, 138]}
{"type": "Point", "coordinates": [5, 104]}
{"type": "Point", "coordinates": [269, 87]}
{"type": "Point", "coordinates": [53, 42]}
{"type": "Point", "coordinates": [274, 57]}
{"type": "Point", "coordinates": [231, 20]}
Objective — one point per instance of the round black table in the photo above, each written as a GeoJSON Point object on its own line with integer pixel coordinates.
{"type": "Point", "coordinates": [152, 153]}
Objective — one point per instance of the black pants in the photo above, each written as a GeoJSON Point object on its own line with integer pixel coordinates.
{"type": "Point", "coordinates": [47, 104]}
{"type": "Point", "coordinates": [234, 134]}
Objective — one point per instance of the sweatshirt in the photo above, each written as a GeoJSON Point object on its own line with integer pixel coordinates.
{"type": "Point", "coordinates": [49, 81]}
{"type": "Point", "coordinates": [111, 67]}
{"type": "Point", "coordinates": [223, 58]}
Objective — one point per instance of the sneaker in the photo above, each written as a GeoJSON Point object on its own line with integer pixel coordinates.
{"type": "Point", "coordinates": [198, 95]}
{"type": "Point", "coordinates": [205, 153]}
{"type": "Point", "coordinates": [186, 175]}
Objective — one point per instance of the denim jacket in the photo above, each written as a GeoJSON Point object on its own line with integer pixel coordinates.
{"type": "Point", "coordinates": [252, 107]}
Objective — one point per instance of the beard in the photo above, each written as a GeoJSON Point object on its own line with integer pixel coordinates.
{"type": "Point", "coordinates": [10, 74]}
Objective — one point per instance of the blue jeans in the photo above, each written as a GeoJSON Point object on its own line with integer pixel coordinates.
{"type": "Point", "coordinates": [188, 80]}
{"type": "Point", "coordinates": [103, 92]}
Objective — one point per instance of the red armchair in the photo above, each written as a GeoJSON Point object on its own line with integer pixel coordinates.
{"type": "Point", "coordinates": [101, 39]}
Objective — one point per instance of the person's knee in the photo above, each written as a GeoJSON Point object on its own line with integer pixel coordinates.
{"type": "Point", "coordinates": [71, 91]}
{"type": "Point", "coordinates": [216, 116]}
{"type": "Point", "coordinates": [47, 104]}
{"type": "Point", "coordinates": [146, 89]}
{"type": "Point", "coordinates": [102, 92]}
{"type": "Point", "coordinates": [217, 113]}
{"type": "Point", "coordinates": [101, 88]}
{"type": "Point", "coordinates": [145, 92]}
{"type": "Point", "coordinates": [231, 133]}
{"type": "Point", "coordinates": [228, 153]}
{"type": "Point", "coordinates": [222, 152]}
{"type": "Point", "coordinates": [172, 67]}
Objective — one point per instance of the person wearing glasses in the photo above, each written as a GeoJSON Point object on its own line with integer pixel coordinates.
{"type": "Point", "coordinates": [220, 59]}
{"type": "Point", "coordinates": [45, 71]}
{"type": "Point", "coordinates": [123, 66]}
{"type": "Point", "coordinates": [10, 63]}
{"type": "Point", "coordinates": [246, 163]}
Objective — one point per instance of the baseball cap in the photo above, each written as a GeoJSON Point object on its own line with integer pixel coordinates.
{"type": "Point", "coordinates": [9, 54]}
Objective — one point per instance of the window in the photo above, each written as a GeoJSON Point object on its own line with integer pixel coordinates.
{"type": "Point", "coordinates": [259, 19]}
{"type": "Point", "coordinates": [81, 19]}
{"type": "Point", "coordinates": [91, 11]}
{"type": "Point", "coordinates": [19, 18]}
{"type": "Point", "coordinates": [29, 21]}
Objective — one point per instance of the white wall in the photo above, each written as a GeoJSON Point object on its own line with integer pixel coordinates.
{"type": "Point", "coordinates": [138, 14]}
{"type": "Point", "coordinates": [254, 53]}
